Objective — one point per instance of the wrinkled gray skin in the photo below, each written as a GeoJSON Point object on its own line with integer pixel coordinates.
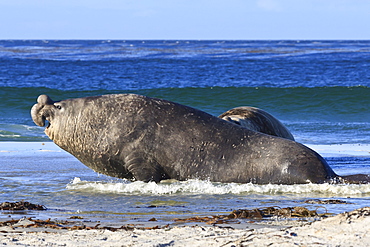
{"type": "Point", "coordinates": [137, 137]}
{"type": "Point", "coordinates": [258, 120]}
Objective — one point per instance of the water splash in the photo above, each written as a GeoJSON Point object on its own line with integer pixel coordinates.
{"type": "Point", "coordinates": [211, 188]}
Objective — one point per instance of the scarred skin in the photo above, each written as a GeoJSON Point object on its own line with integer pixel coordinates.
{"type": "Point", "coordinates": [257, 120]}
{"type": "Point", "coordinates": [137, 137]}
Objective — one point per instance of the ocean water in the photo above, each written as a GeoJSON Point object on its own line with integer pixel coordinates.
{"type": "Point", "coordinates": [319, 89]}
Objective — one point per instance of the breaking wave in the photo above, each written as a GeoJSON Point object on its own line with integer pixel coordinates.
{"type": "Point", "coordinates": [207, 187]}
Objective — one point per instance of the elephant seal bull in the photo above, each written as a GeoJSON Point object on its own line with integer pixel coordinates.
{"type": "Point", "coordinates": [257, 120]}
{"type": "Point", "coordinates": [148, 139]}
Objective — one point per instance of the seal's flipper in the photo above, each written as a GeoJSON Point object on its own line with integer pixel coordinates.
{"type": "Point", "coordinates": [144, 168]}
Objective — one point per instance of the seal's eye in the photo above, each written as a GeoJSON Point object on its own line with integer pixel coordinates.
{"type": "Point", "coordinates": [58, 107]}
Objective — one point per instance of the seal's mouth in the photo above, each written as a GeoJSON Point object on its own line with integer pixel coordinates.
{"type": "Point", "coordinates": [47, 122]}
{"type": "Point", "coordinates": [47, 129]}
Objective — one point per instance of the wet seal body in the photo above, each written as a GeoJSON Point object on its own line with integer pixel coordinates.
{"type": "Point", "coordinates": [137, 137]}
{"type": "Point", "coordinates": [258, 120]}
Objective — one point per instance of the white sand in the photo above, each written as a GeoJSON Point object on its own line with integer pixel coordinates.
{"type": "Point", "coordinates": [347, 229]}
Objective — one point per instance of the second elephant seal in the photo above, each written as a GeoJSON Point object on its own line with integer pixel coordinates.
{"type": "Point", "coordinates": [258, 120]}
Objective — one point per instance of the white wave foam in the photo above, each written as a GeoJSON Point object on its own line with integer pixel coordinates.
{"type": "Point", "coordinates": [206, 187]}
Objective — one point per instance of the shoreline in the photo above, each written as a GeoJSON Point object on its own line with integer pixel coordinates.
{"type": "Point", "coordinates": [341, 230]}
{"type": "Point", "coordinates": [346, 229]}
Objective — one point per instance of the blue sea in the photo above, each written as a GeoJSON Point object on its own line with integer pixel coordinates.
{"type": "Point", "coordinates": [319, 89]}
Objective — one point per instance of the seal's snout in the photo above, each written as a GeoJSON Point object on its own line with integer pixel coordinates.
{"type": "Point", "coordinates": [37, 112]}
{"type": "Point", "coordinates": [43, 99]}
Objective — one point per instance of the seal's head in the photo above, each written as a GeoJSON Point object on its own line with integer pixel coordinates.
{"type": "Point", "coordinates": [88, 128]}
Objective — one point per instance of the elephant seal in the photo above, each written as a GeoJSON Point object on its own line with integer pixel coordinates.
{"type": "Point", "coordinates": [148, 139]}
{"type": "Point", "coordinates": [258, 120]}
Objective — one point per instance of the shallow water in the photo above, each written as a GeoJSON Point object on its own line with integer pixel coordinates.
{"type": "Point", "coordinates": [44, 174]}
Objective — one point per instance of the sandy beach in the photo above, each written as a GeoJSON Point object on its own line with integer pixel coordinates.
{"type": "Point", "coordinates": [346, 229]}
